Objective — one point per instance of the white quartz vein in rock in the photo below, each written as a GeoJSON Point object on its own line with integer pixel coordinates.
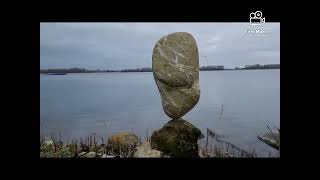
{"type": "Point", "coordinates": [165, 39]}
{"type": "Point", "coordinates": [176, 53]}
{"type": "Point", "coordinates": [167, 97]}
{"type": "Point", "coordinates": [180, 46]}
{"type": "Point", "coordinates": [160, 50]}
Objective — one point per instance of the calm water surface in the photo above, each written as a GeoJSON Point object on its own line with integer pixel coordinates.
{"type": "Point", "coordinates": [79, 104]}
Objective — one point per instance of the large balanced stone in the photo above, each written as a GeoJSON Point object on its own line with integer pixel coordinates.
{"type": "Point", "coordinates": [175, 66]}
{"type": "Point", "coordinates": [177, 138]}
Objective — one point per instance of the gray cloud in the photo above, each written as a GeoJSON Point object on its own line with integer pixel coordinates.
{"type": "Point", "coordinates": [130, 45]}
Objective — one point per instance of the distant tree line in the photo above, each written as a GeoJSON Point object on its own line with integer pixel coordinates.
{"type": "Point", "coordinates": [258, 66]}
{"type": "Point", "coordinates": [149, 69]}
{"type": "Point", "coordinates": [211, 68]}
{"type": "Point", "coordinates": [72, 70]}
{"type": "Point", "coordinates": [145, 69]}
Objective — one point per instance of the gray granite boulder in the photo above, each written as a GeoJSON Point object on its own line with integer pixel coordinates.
{"type": "Point", "coordinates": [175, 66]}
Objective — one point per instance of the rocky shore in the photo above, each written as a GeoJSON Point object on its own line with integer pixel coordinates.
{"type": "Point", "coordinates": [128, 145]}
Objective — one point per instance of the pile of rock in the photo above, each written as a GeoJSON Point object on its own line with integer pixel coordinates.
{"type": "Point", "coordinates": [175, 65]}
{"type": "Point", "coordinates": [122, 144]}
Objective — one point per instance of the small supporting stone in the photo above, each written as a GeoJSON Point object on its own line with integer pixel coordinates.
{"type": "Point", "coordinates": [177, 138]}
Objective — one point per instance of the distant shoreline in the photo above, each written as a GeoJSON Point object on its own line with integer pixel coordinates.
{"type": "Point", "coordinates": [85, 72]}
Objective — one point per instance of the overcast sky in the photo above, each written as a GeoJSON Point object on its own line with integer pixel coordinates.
{"type": "Point", "coordinates": [130, 45]}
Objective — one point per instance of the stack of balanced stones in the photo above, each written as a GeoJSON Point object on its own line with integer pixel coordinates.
{"type": "Point", "coordinates": [175, 66]}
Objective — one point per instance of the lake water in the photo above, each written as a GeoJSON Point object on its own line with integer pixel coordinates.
{"type": "Point", "coordinates": [105, 103]}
